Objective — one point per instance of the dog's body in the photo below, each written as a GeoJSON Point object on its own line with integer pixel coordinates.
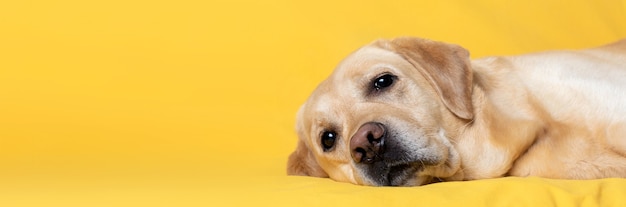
{"type": "Point", "coordinates": [410, 111]}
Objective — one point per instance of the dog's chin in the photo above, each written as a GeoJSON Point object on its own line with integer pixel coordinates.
{"type": "Point", "coordinates": [403, 175]}
{"type": "Point", "coordinates": [416, 180]}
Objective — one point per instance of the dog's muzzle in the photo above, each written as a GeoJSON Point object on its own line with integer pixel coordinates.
{"type": "Point", "coordinates": [380, 158]}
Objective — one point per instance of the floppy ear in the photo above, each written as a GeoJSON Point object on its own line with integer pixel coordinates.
{"type": "Point", "coordinates": [302, 162]}
{"type": "Point", "coordinates": [447, 68]}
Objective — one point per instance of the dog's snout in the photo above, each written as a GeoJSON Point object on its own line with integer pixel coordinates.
{"type": "Point", "coordinates": [366, 144]}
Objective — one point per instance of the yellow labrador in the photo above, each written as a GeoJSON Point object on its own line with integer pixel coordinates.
{"type": "Point", "coordinates": [411, 111]}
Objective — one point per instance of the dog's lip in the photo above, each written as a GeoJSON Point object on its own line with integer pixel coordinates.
{"type": "Point", "coordinates": [400, 174]}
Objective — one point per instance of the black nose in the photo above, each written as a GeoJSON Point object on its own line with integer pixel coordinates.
{"type": "Point", "coordinates": [367, 143]}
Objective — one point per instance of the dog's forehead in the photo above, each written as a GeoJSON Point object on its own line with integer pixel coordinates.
{"type": "Point", "coordinates": [363, 59]}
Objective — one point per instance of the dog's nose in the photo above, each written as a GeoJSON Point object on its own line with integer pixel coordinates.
{"type": "Point", "coordinates": [366, 144]}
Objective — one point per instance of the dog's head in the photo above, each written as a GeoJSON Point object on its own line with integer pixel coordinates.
{"type": "Point", "coordinates": [387, 115]}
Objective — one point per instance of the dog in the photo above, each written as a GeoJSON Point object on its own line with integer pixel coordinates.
{"type": "Point", "coordinates": [412, 111]}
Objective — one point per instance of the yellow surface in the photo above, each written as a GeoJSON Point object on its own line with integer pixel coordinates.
{"type": "Point", "coordinates": [144, 103]}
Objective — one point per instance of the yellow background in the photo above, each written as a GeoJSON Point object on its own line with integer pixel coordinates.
{"type": "Point", "coordinates": [124, 102]}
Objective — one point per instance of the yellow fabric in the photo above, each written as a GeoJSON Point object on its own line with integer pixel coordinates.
{"type": "Point", "coordinates": [183, 103]}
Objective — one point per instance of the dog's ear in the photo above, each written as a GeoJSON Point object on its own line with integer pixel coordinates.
{"type": "Point", "coordinates": [302, 162]}
{"type": "Point", "coordinates": [446, 66]}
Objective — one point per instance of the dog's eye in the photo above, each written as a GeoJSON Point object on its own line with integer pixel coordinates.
{"type": "Point", "coordinates": [328, 140]}
{"type": "Point", "coordinates": [383, 81]}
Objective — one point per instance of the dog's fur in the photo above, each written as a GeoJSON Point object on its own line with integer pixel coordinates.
{"type": "Point", "coordinates": [559, 114]}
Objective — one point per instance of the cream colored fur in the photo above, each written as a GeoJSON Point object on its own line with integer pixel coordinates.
{"type": "Point", "coordinates": [557, 114]}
